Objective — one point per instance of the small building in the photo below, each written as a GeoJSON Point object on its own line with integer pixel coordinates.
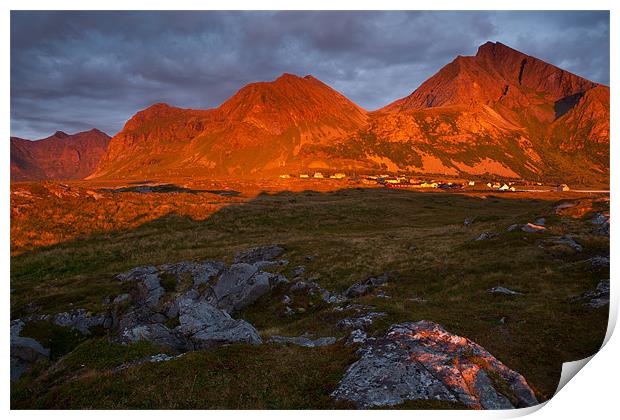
{"type": "Point", "coordinates": [429, 185]}
{"type": "Point", "coordinates": [489, 185]}
{"type": "Point", "coordinates": [339, 175]}
{"type": "Point", "coordinates": [318, 175]}
{"type": "Point", "coordinates": [471, 183]}
{"type": "Point", "coordinates": [562, 188]}
{"type": "Point", "coordinates": [285, 176]}
{"type": "Point", "coordinates": [504, 188]}
{"type": "Point", "coordinates": [304, 176]}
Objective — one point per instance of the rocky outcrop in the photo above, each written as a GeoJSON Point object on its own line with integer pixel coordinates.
{"type": "Point", "coordinates": [24, 351]}
{"type": "Point", "coordinates": [422, 361]}
{"type": "Point", "coordinates": [187, 305]}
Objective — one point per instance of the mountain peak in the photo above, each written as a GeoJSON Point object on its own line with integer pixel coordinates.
{"type": "Point", "coordinates": [60, 134]}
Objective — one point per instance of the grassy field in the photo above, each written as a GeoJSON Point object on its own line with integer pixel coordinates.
{"type": "Point", "coordinates": [441, 274]}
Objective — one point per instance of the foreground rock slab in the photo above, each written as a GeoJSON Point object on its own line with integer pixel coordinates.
{"type": "Point", "coordinates": [422, 361]}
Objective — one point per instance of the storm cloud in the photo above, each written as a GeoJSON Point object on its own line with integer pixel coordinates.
{"type": "Point", "coordinates": [73, 71]}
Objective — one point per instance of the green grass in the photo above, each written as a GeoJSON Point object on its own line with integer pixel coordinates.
{"type": "Point", "coordinates": [352, 235]}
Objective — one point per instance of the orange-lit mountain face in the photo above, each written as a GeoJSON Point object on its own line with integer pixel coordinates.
{"type": "Point", "coordinates": [261, 128]}
{"type": "Point", "coordinates": [60, 156]}
{"type": "Point", "coordinates": [500, 112]}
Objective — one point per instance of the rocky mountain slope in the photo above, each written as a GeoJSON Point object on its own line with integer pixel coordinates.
{"type": "Point", "coordinates": [499, 113]}
{"type": "Point", "coordinates": [60, 156]}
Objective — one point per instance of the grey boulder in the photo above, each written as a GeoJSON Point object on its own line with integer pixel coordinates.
{"type": "Point", "coordinates": [422, 361]}
{"type": "Point", "coordinates": [205, 326]}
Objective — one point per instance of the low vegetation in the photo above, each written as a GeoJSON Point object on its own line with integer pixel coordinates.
{"type": "Point", "coordinates": [340, 237]}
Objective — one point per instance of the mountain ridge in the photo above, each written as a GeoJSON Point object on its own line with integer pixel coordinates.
{"type": "Point", "coordinates": [498, 113]}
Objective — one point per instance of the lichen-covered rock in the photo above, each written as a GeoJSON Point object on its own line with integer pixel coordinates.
{"type": "Point", "coordinates": [263, 253]}
{"type": "Point", "coordinates": [155, 333]}
{"type": "Point", "coordinates": [81, 320]}
{"type": "Point", "coordinates": [422, 361]}
{"type": "Point", "coordinates": [199, 271]}
{"type": "Point", "coordinates": [360, 322]}
{"type": "Point", "coordinates": [205, 326]}
{"type": "Point", "coordinates": [242, 284]}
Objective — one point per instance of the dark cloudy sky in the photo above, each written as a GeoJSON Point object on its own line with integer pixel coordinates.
{"type": "Point", "coordinates": [72, 71]}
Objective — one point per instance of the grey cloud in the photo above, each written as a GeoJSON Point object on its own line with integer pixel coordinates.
{"type": "Point", "coordinates": [76, 70]}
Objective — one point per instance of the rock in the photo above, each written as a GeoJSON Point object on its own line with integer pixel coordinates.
{"type": "Point", "coordinates": [599, 261]}
{"type": "Point", "coordinates": [598, 297]}
{"type": "Point", "coordinates": [568, 241]}
{"type": "Point", "coordinates": [513, 227]}
{"type": "Point", "coordinates": [201, 272]}
{"type": "Point", "coordinates": [357, 337]}
{"type": "Point", "coordinates": [486, 235]}
{"type": "Point", "coordinates": [468, 221]}
{"type": "Point", "coordinates": [422, 361]}
{"type": "Point", "coordinates": [24, 351]}
{"type": "Point", "coordinates": [242, 284]}
{"type": "Point", "coordinates": [357, 290]}
{"type": "Point", "coordinates": [254, 255]}
{"type": "Point", "coordinates": [362, 288]}
{"type": "Point", "coordinates": [499, 290]}
{"type": "Point", "coordinates": [602, 221]}
{"type": "Point", "coordinates": [80, 320]}
{"type": "Point", "coordinates": [314, 289]}
{"type": "Point", "coordinates": [150, 290]}
{"type": "Point", "coordinates": [137, 273]}
{"type": "Point", "coordinates": [360, 322]}
{"type": "Point", "coordinates": [155, 333]}
{"type": "Point", "coordinates": [298, 271]}
{"type": "Point", "coordinates": [121, 298]}
{"type": "Point", "coordinates": [530, 227]}
{"type": "Point", "coordinates": [303, 341]}
{"type": "Point", "coordinates": [205, 326]}
{"type": "Point", "coordinates": [287, 300]}
{"type": "Point", "coordinates": [156, 358]}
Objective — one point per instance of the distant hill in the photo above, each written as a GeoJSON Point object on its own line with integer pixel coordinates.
{"type": "Point", "coordinates": [60, 156]}
{"type": "Point", "coordinates": [498, 113]}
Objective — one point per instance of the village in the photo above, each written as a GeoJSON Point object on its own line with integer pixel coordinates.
{"type": "Point", "coordinates": [412, 182]}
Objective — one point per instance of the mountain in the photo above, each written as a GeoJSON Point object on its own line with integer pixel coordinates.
{"type": "Point", "coordinates": [59, 156]}
{"type": "Point", "coordinates": [498, 113]}
{"type": "Point", "coordinates": [260, 128]}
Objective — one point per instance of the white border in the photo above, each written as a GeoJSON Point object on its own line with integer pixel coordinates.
{"type": "Point", "coordinates": [593, 394]}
